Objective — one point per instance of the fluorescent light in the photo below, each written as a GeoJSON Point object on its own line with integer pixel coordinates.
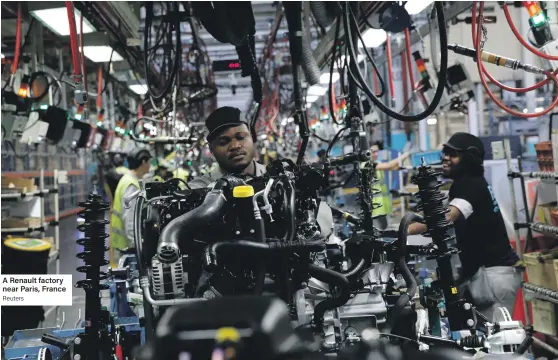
{"type": "Point", "coordinates": [311, 98]}
{"type": "Point", "coordinates": [138, 89]}
{"type": "Point", "coordinates": [101, 53]}
{"type": "Point", "coordinates": [525, 111]}
{"type": "Point", "coordinates": [324, 78]}
{"type": "Point", "coordinates": [373, 38]}
{"type": "Point", "coordinates": [284, 122]}
{"type": "Point", "coordinates": [431, 121]}
{"type": "Point", "coordinates": [308, 106]}
{"type": "Point", "coordinates": [414, 7]}
{"type": "Point", "coordinates": [2, 56]}
{"type": "Point", "coordinates": [57, 20]}
{"type": "Point", "coordinates": [291, 119]}
{"type": "Point", "coordinates": [316, 90]}
{"type": "Point", "coordinates": [539, 109]}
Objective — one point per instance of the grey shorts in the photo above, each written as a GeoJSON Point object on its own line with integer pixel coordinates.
{"type": "Point", "coordinates": [493, 287]}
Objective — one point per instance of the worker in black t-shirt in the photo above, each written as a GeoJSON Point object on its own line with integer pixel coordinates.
{"type": "Point", "coordinates": [491, 270]}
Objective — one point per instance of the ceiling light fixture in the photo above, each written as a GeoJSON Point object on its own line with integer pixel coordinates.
{"type": "Point", "coordinates": [57, 20]}
{"type": "Point", "coordinates": [138, 89]}
{"type": "Point", "coordinates": [324, 78]}
{"type": "Point", "coordinates": [414, 7]}
{"type": "Point", "coordinates": [316, 90]}
{"type": "Point", "coordinates": [431, 121]}
{"type": "Point", "coordinates": [373, 38]}
{"type": "Point", "coordinates": [101, 54]}
{"type": "Point", "coordinates": [311, 99]}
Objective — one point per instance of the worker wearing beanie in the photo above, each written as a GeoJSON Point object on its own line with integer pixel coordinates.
{"type": "Point", "coordinates": [491, 270]}
{"type": "Point", "coordinates": [122, 217]}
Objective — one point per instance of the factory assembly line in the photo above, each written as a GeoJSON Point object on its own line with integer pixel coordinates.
{"type": "Point", "coordinates": [279, 180]}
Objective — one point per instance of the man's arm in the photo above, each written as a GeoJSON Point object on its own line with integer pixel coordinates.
{"type": "Point", "coordinates": [128, 215]}
{"type": "Point", "coordinates": [419, 228]}
{"type": "Point", "coordinates": [393, 164]}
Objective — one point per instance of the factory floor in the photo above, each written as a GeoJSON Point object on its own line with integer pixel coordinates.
{"type": "Point", "coordinates": [68, 264]}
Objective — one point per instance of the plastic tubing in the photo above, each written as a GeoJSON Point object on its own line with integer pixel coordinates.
{"type": "Point", "coordinates": [485, 84]}
{"type": "Point", "coordinates": [18, 40]}
{"type": "Point", "coordinates": [73, 38]}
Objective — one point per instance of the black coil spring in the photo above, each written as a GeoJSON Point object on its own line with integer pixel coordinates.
{"type": "Point", "coordinates": [366, 193]}
{"type": "Point", "coordinates": [94, 247]}
{"type": "Point", "coordinates": [431, 201]}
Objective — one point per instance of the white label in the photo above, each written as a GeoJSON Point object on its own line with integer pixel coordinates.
{"type": "Point", "coordinates": [62, 177]}
{"type": "Point", "coordinates": [36, 290]}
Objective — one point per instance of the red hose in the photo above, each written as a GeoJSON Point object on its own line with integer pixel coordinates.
{"type": "Point", "coordinates": [73, 40]}
{"type": "Point", "coordinates": [485, 84]}
{"type": "Point", "coordinates": [496, 82]}
{"type": "Point", "coordinates": [531, 48]}
{"type": "Point", "coordinates": [409, 62]}
{"type": "Point", "coordinates": [82, 59]}
{"type": "Point", "coordinates": [18, 40]}
{"type": "Point", "coordinates": [388, 49]}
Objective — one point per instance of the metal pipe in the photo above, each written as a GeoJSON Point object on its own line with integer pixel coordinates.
{"type": "Point", "coordinates": [56, 220]}
{"type": "Point", "coordinates": [525, 203]}
{"type": "Point", "coordinates": [144, 283]}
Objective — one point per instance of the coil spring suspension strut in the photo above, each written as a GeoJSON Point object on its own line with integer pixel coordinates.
{"type": "Point", "coordinates": [366, 179]}
{"type": "Point", "coordinates": [93, 256]}
{"type": "Point", "coordinates": [431, 202]}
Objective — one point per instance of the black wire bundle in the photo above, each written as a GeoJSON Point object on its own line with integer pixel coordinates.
{"type": "Point", "coordinates": [351, 24]}
{"type": "Point", "coordinates": [160, 84]}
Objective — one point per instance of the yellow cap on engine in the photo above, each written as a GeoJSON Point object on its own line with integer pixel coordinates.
{"type": "Point", "coordinates": [227, 334]}
{"type": "Point", "coordinates": [25, 244]}
{"type": "Point", "coordinates": [243, 191]}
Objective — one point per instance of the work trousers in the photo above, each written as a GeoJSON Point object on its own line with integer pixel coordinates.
{"type": "Point", "coordinates": [493, 287]}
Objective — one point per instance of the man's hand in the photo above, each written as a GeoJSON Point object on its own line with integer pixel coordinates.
{"type": "Point", "coordinates": [419, 228]}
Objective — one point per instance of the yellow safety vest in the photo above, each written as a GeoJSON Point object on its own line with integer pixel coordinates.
{"type": "Point", "coordinates": [382, 198]}
{"type": "Point", "coordinates": [181, 173]}
{"type": "Point", "coordinates": [118, 239]}
{"type": "Point", "coordinates": [122, 170]}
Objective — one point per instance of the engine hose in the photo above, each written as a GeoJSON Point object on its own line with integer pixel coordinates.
{"type": "Point", "coordinates": [355, 270]}
{"type": "Point", "coordinates": [333, 278]}
{"type": "Point", "coordinates": [311, 70]}
{"type": "Point", "coordinates": [323, 17]}
{"type": "Point", "coordinates": [443, 70]}
{"type": "Point", "coordinates": [410, 280]}
{"type": "Point", "coordinates": [260, 249]}
{"type": "Point", "coordinates": [137, 234]}
{"type": "Point", "coordinates": [290, 206]}
{"type": "Point", "coordinates": [210, 210]}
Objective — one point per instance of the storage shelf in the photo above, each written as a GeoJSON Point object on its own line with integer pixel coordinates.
{"type": "Point", "coordinates": [532, 291]}
{"type": "Point", "coordinates": [23, 196]}
{"type": "Point", "coordinates": [24, 230]}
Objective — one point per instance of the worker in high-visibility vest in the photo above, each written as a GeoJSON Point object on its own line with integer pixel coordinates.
{"type": "Point", "coordinates": [122, 217]}
{"type": "Point", "coordinates": [182, 172]}
{"type": "Point", "coordinates": [383, 198]}
{"type": "Point", "coordinates": [162, 171]}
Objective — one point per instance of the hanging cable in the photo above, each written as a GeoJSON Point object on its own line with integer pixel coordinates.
{"type": "Point", "coordinates": [82, 59]}
{"type": "Point", "coordinates": [390, 69]}
{"type": "Point", "coordinates": [333, 52]}
{"type": "Point", "coordinates": [478, 49]}
{"type": "Point", "coordinates": [73, 40]}
{"type": "Point", "coordinates": [443, 71]}
{"type": "Point", "coordinates": [408, 55]}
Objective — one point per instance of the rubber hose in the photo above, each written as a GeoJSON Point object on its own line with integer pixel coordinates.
{"type": "Point", "coordinates": [310, 68]}
{"type": "Point", "coordinates": [137, 234]}
{"type": "Point", "coordinates": [261, 249]}
{"type": "Point", "coordinates": [323, 17]}
{"type": "Point", "coordinates": [210, 210]}
{"type": "Point", "coordinates": [333, 278]}
{"type": "Point", "coordinates": [410, 280]}
{"type": "Point", "coordinates": [355, 270]}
